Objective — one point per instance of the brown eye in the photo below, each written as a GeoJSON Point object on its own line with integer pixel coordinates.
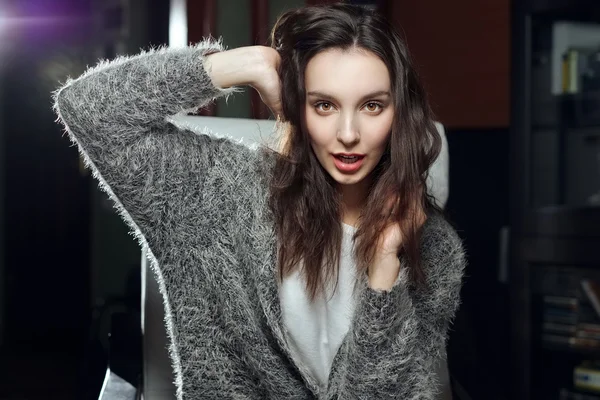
{"type": "Point", "coordinates": [324, 106]}
{"type": "Point", "coordinates": [373, 107]}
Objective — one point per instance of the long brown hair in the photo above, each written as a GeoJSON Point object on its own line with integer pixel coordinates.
{"type": "Point", "coordinates": [303, 196]}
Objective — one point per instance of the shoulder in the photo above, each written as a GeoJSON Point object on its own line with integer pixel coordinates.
{"type": "Point", "coordinates": [442, 248]}
{"type": "Point", "coordinates": [239, 156]}
{"type": "Point", "coordinates": [439, 236]}
{"type": "Point", "coordinates": [237, 180]}
{"type": "Point", "coordinates": [232, 157]}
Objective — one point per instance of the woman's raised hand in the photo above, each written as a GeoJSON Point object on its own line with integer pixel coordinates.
{"type": "Point", "coordinates": [386, 266]}
{"type": "Point", "coordinates": [255, 66]}
{"type": "Point", "coordinates": [268, 83]}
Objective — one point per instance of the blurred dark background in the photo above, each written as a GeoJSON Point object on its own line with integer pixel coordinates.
{"type": "Point", "coordinates": [517, 87]}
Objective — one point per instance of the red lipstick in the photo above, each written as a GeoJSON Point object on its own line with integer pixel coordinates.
{"type": "Point", "coordinates": [348, 162]}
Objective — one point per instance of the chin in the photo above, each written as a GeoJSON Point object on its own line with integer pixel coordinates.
{"type": "Point", "coordinates": [347, 179]}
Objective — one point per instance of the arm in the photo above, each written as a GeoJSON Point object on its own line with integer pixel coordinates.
{"type": "Point", "coordinates": [397, 336]}
{"type": "Point", "coordinates": [117, 113]}
{"type": "Point", "coordinates": [443, 375]}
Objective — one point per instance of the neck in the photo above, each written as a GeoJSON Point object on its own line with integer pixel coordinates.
{"type": "Point", "coordinates": [353, 198]}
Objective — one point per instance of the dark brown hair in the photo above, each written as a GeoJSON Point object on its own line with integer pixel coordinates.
{"type": "Point", "coordinates": [303, 196]}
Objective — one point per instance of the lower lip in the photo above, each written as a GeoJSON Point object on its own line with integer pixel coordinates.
{"type": "Point", "coordinates": [348, 168]}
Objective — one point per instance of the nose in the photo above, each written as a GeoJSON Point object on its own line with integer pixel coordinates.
{"type": "Point", "coordinates": [348, 133]}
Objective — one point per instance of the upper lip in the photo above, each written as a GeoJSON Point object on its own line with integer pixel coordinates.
{"type": "Point", "coordinates": [349, 154]}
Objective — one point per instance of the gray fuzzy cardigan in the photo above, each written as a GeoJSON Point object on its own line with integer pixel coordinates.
{"type": "Point", "coordinates": [198, 204]}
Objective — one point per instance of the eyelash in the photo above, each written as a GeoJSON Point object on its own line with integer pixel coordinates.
{"type": "Point", "coordinates": [381, 107]}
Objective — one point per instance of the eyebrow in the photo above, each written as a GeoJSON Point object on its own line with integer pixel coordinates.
{"type": "Point", "coordinates": [330, 97]}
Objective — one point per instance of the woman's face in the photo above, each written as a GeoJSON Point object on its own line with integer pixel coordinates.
{"type": "Point", "coordinates": [349, 112]}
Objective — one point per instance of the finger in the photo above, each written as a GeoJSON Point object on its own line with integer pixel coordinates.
{"type": "Point", "coordinates": [418, 215]}
{"type": "Point", "coordinates": [277, 113]}
{"type": "Point", "coordinates": [421, 217]}
{"type": "Point", "coordinates": [391, 205]}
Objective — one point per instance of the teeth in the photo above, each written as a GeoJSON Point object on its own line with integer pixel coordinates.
{"type": "Point", "coordinates": [348, 159]}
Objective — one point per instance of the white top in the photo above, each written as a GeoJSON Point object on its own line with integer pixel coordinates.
{"type": "Point", "coordinates": [316, 330]}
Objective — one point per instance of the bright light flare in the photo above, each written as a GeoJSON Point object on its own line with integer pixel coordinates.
{"type": "Point", "coordinates": [178, 30]}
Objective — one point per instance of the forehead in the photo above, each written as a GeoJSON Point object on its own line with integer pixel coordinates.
{"type": "Point", "coordinates": [345, 72]}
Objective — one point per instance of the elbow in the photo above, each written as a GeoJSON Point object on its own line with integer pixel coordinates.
{"type": "Point", "coordinates": [60, 101]}
{"type": "Point", "coordinates": [67, 104]}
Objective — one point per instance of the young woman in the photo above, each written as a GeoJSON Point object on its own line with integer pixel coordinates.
{"type": "Point", "coordinates": [322, 270]}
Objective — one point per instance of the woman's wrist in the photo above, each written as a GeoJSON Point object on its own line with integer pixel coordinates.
{"type": "Point", "coordinates": [265, 67]}
{"type": "Point", "coordinates": [237, 67]}
{"type": "Point", "coordinates": [384, 272]}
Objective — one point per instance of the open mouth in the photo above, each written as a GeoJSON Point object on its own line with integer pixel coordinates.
{"type": "Point", "coordinates": [348, 159]}
{"type": "Point", "coordinates": [348, 163]}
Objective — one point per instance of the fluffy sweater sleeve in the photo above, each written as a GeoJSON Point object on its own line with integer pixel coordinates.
{"type": "Point", "coordinates": [397, 336]}
{"type": "Point", "coordinates": [118, 114]}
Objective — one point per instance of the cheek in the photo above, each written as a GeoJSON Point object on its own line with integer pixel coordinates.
{"type": "Point", "coordinates": [318, 130]}
{"type": "Point", "coordinates": [380, 133]}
